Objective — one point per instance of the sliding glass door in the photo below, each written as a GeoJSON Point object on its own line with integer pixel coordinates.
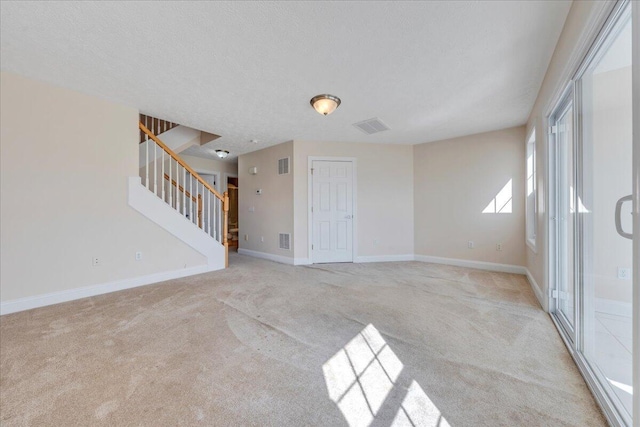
{"type": "Point", "coordinates": [591, 254]}
{"type": "Point", "coordinates": [606, 176]}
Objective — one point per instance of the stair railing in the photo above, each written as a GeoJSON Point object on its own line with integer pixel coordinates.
{"type": "Point", "coordinates": [176, 183]}
{"type": "Point", "coordinates": [155, 125]}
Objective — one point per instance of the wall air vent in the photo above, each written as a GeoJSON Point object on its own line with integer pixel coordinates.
{"type": "Point", "coordinates": [283, 166]}
{"type": "Point", "coordinates": [285, 241]}
{"type": "Point", "coordinates": [371, 126]}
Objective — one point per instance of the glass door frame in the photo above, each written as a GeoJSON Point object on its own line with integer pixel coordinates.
{"type": "Point", "coordinates": [635, 30]}
{"type": "Point", "coordinates": [569, 326]}
{"type": "Point", "coordinates": [574, 340]}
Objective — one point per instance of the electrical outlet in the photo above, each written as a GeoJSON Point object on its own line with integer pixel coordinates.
{"type": "Point", "coordinates": [470, 244]}
{"type": "Point", "coordinates": [498, 246]}
{"type": "Point", "coordinates": [262, 238]}
{"type": "Point", "coordinates": [624, 273]}
{"type": "Point", "coordinates": [252, 209]}
{"type": "Point", "coordinates": [375, 242]}
{"type": "Point", "coordinates": [246, 237]}
{"type": "Point", "coordinates": [95, 261]}
{"type": "Point", "coordinates": [138, 256]}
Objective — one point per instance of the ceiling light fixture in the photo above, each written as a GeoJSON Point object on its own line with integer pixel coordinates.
{"type": "Point", "coordinates": [222, 153]}
{"type": "Point", "coordinates": [325, 104]}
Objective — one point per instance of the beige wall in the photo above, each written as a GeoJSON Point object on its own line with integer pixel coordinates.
{"type": "Point", "coordinates": [454, 182]}
{"type": "Point", "coordinates": [384, 198]}
{"type": "Point", "coordinates": [202, 165]}
{"type": "Point", "coordinates": [273, 210]}
{"type": "Point", "coordinates": [565, 58]}
{"type": "Point", "coordinates": [65, 158]}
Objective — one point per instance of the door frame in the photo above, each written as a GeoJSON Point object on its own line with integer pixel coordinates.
{"type": "Point", "coordinates": [225, 184]}
{"type": "Point", "coordinates": [203, 171]}
{"type": "Point", "coordinates": [354, 197]}
{"type": "Point", "coordinates": [635, 61]}
{"type": "Point", "coordinates": [600, 25]}
{"type": "Point", "coordinates": [567, 99]}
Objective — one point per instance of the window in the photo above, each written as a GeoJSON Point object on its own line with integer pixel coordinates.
{"type": "Point", "coordinates": [531, 202]}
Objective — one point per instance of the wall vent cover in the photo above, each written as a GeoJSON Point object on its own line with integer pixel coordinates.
{"type": "Point", "coordinates": [285, 241]}
{"type": "Point", "coordinates": [283, 166]}
{"type": "Point", "coordinates": [371, 126]}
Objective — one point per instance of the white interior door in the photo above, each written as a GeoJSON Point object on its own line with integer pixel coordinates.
{"type": "Point", "coordinates": [332, 211]}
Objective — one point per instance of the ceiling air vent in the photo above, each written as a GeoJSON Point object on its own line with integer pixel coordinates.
{"type": "Point", "coordinates": [371, 126]}
{"type": "Point", "coordinates": [285, 241]}
{"type": "Point", "coordinates": [283, 166]}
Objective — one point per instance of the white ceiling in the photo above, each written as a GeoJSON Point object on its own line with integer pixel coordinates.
{"type": "Point", "coordinates": [246, 70]}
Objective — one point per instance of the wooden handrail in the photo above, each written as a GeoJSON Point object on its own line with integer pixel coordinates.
{"type": "Point", "coordinates": [180, 161]}
{"type": "Point", "coordinates": [175, 184]}
{"type": "Point", "coordinates": [193, 198]}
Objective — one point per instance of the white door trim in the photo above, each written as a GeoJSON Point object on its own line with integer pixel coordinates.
{"type": "Point", "coordinates": [635, 19]}
{"type": "Point", "coordinates": [354, 163]}
{"type": "Point", "coordinates": [224, 187]}
{"type": "Point", "coordinates": [201, 171]}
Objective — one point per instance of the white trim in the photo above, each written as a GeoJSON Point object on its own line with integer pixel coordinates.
{"type": "Point", "coordinates": [544, 302]}
{"type": "Point", "coordinates": [590, 32]}
{"type": "Point", "coordinates": [384, 258]}
{"type": "Point", "coordinates": [301, 261]}
{"type": "Point", "coordinates": [531, 242]}
{"type": "Point", "coordinates": [613, 307]}
{"type": "Point", "coordinates": [159, 212]}
{"type": "Point", "coordinates": [42, 300]}
{"type": "Point", "coordinates": [479, 265]}
{"type": "Point", "coordinates": [354, 192]}
{"type": "Point", "coordinates": [217, 174]}
{"type": "Point", "coordinates": [635, 31]}
{"type": "Point", "coordinates": [271, 257]}
{"type": "Point", "coordinates": [225, 177]}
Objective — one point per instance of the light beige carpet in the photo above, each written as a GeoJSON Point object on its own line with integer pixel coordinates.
{"type": "Point", "coordinates": [267, 344]}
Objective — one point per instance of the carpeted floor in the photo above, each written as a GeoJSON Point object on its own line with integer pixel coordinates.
{"type": "Point", "coordinates": [268, 344]}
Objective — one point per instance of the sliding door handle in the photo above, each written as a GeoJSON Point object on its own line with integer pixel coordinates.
{"type": "Point", "coordinates": [619, 219]}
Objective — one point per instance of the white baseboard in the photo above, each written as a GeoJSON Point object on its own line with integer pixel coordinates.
{"type": "Point", "coordinates": [384, 258]}
{"type": "Point", "coordinates": [616, 308]}
{"type": "Point", "coordinates": [480, 265]}
{"type": "Point", "coordinates": [27, 303]}
{"type": "Point", "coordinates": [544, 302]}
{"type": "Point", "coordinates": [271, 257]}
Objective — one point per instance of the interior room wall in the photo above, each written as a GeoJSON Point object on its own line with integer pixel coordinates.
{"type": "Point", "coordinates": [384, 197]}
{"type": "Point", "coordinates": [571, 45]}
{"type": "Point", "coordinates": [471, 189]}
{"type": "Point", "coordinates": [262, 217]}
{"type": "Point", "coordinates": [200, 164]}
{"type": "Point", "coordinates": [65, 159]}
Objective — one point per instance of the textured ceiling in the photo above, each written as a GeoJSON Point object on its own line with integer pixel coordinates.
{"type": "Point", "coordinates": [246, 70]}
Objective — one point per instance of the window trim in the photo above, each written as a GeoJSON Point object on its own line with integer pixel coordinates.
{"type": "Point", "coordinates": [532, 242]}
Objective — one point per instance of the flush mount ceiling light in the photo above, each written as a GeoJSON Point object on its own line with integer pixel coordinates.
{"type": "Point", "coordinates": [222, 153]}
{"type": "Point", "coordinates": [325, 104]}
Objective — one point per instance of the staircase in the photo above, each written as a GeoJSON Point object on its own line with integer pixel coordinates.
{"type": "Point", "coordinates": [170, 193]}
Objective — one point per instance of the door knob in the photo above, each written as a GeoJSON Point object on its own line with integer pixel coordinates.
{"type": "Point", "coordinates": [619, 219]}
{"type": "Point", "coordinates": [348, 217]}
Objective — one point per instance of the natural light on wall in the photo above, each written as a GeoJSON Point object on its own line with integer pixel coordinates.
{"type": "Point", "coordinates": [502, 203]}
{"type": "Point", "coordinates": [360, 378]}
